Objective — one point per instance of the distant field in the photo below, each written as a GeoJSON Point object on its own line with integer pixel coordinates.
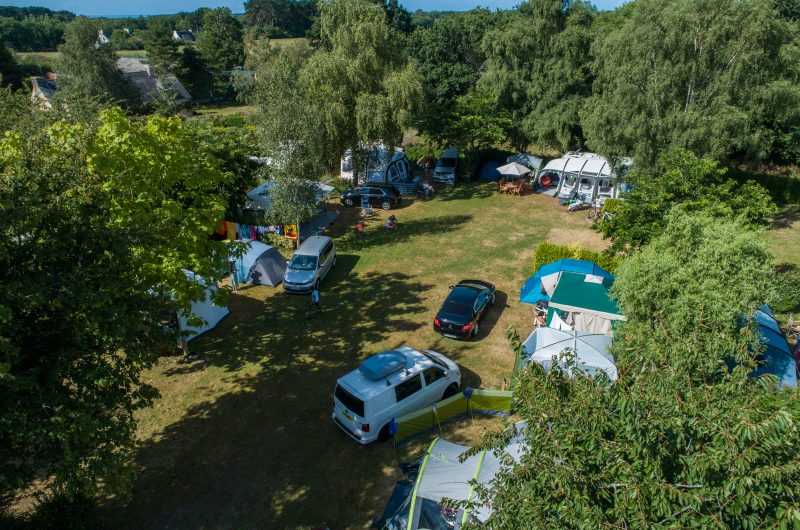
{"type": "Point", "coordinates": [55, 56]}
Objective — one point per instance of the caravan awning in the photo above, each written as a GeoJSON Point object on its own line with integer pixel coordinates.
{"type": "Point", "coordinates": [532, 290]}
{"type": "Point", "coordinates": [591, 350]}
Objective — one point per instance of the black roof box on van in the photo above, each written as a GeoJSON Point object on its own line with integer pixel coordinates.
{"type": "Point", "coordinates": [382, 364]}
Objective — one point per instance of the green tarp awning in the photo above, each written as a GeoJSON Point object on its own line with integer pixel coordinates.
{"type": "Point", "coordinates": [584, 293]}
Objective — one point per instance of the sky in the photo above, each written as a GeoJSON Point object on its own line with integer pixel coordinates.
{"type": "Point", "coordinates": [159, 7]}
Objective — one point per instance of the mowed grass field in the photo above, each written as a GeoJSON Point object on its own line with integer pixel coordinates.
{"type": "Point", "coordinates": [242, 437]}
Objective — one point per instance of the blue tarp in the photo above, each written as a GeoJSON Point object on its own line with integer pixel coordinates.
{"type": "Point", "coordinates": [489, 171]}
{"type": "Point", "coordinates": [778, 359]}
{"type": "Point", "coordinates": [532, 290]}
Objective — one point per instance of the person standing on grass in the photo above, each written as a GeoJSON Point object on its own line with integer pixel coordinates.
{"type": "Point", "coordinates": [234, 279]}
{"type": "Point", "coordinates": [314, 300]}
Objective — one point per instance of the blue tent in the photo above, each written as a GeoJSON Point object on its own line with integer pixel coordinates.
{"type": "Point", "coordinates": [489, 170]}
{"type": "Point", "coordinates": [777, 357]}
{"type": "Point", "coordinates": [532, 290]}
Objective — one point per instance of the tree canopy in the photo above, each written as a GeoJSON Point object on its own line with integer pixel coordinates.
{"type": "Point", "coordinates": [682, 181]}
{"type": "Point", "coordinates": [681, 440]}
{"type": "Point", "coordinates": [715, 77]}
{"type": "Point", "coordinates": [99, 218]}
{"type": "Point", "coordinates": [538, 66]}
{"type": "Point", "coordinates": [356, 88]}
{"type": "Point", "coordinates": [221, 46]}
{"type": "Point", "coordinates": [88, 70]}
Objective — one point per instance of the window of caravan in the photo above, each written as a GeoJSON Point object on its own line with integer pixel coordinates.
{"type": "Point", "coordinates": [569, 180]}
{"type": "Point", "coordinates": [586, 184]}
{"type": "Point", "coordinates": [394, 173]}
{"type": "Point", "coordinates": [350, 401]}
{"type": "Point", "coordinates": [605, 185]}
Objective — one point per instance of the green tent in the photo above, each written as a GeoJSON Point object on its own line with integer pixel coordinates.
{"type": "Point", "coordinates": [581, 301]}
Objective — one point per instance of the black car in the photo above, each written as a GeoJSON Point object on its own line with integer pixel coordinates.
{"type": "Point", "coordinates": [383, 196]}
{"type": "Point", "coordinates": [462, 309]}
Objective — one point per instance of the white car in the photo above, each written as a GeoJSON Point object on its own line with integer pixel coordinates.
{"type": "Point", "coordinates": [388, 385]}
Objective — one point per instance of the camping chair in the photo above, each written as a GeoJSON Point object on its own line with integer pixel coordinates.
{"type": "Point", "coordinates": [368, 211]}
{"type": "Point", "coordinates": [519, 189]}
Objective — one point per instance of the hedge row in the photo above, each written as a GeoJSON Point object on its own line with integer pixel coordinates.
{"type": "Point", "coordinates": [549, 252]}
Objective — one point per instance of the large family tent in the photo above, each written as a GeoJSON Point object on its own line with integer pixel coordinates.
{"type": "Point", "coordinates": [581, 302]}
{"type": "Point", "coordinates": [205, 309]}
{"type": "Point", "coordinates": [777, 357]}
{"type": "Point", "coordinates": [532, 291]}
{"type": "Point", "coordinates": [260, 264]}
{"type": "Point", "coordinates": [580, 174]}
{"type": "Point", "coordinates": [442, 476]}
{"type": "Point", "coordinates": [545, 346]}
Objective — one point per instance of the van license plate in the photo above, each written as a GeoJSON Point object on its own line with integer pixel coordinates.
{"type": "Point", "coordinates": [450, 336]}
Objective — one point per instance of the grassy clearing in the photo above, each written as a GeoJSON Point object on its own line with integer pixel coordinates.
{"type": "Point", "coordinates": [784, 235]}
{"type": "Point", "coordinates": [243, 437]}
{"type": "Point", "coordinates": [223, 109]}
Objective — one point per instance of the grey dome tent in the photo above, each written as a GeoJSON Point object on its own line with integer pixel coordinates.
{"type": "Point", "coordinates": [260, 264]}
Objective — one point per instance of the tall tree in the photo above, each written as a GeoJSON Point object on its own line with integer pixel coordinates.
{"type": "Point", "coordinates": [538, 66]}
{"type": "Point", "coordinates": [88, 70]}
{"type": "Point", "coordinates": [221, 46]}
{"type": "Point", "coordinates": [681, 440]}
{"type": "Point", "coordinates": [450, 60]}
{"type": "Point", "coordinates": [99, 218]}
{"type": "Point", "coordinates": [162, 49]}
{"type": "Point", "coordinates": [357, 88]}
{"type": "Point", "coordinates": [716, 77]}
{"type": "Point", "coordinates": [9, 69]}
{"type": "Point", "coordinates": [683, 181]}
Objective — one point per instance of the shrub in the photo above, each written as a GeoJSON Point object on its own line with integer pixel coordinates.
{"type": "Point", "coordinates": [787, 289]}
{"type": "Point", "coordinates": [547, 252]}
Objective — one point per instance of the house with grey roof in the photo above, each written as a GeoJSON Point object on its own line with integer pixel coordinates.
{"type": "Point", "coordinates": [42, 91]}
{"type": "Point", "coordinates": [183, 36]}
{"type": "Point", "coordinates": [149, 85]}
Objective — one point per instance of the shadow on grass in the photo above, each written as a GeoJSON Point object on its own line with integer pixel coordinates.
{"type": "Point", "coordinates": [375, 234]}
{"type": "Point", "coordinates": [267, 455]}
{"type": "Point", "coordinates": [465, 191]}
{"type": "Point", "coordinates": [492, 314]}
{"type": "Point", "coordinates": [785, 217]}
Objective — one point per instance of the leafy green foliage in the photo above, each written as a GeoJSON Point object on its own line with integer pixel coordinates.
{"type": "Point", "coordinates": [538, 66]}
{"type": "Point", "coordinates": [161, 49]}
{"type": "Point", "coordinates": [88, 71]}
{"type": "Point", "coordinates": [221, 47]}
{"type": "Point", "coordinates": [32, 28]}
{"type": "Point", "coordinates": [357, 88]}
{"type": "Point", "coordinates": [682, 180]}
{"type": "Point", "coordinates": [680, 440]}
{"type": "Point", "coordinates": [715, 77]}
{"type": "Point", "coordinates": [280, 18]}
{"type": "Point", "coordinates": [99, 218]}
{"type": "Point", "coordinates": [547, 252]}
{"type": "Point", "coordinates": [787, 289]}
{"type": "Point", "coordinates": [9, 69]}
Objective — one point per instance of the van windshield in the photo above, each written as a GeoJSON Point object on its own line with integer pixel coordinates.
{"type": "Point", "coordinates": [303, 263]}
{"type": "Point", "coordinates": [447, 162]}
{"type": "Point", "coordinates": [351, 402]}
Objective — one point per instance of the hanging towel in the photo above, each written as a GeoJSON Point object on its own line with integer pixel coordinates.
{"type": "Point", "coordinates": [231, 230]}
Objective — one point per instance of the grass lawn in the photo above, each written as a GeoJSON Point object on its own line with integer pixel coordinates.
{"type": "Point", "coordinates": [223, 109]}
{"type": "Point", "coordinates": [784, 235]}
{"type": "Point", "coordinates": [242, 438]}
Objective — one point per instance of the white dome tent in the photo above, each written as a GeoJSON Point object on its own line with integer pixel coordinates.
{"type": "Point", "coordinates": [205, 309]}
{"type": "Point", "coordinates": [545, 345]}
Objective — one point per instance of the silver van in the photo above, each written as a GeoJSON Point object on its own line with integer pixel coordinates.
{"type": "Point", "coordinates": [447, 166]}
{"type": "Point", "coordinates": [388, 385]}
{"type": "Point", "coordinates": [309, 264]}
